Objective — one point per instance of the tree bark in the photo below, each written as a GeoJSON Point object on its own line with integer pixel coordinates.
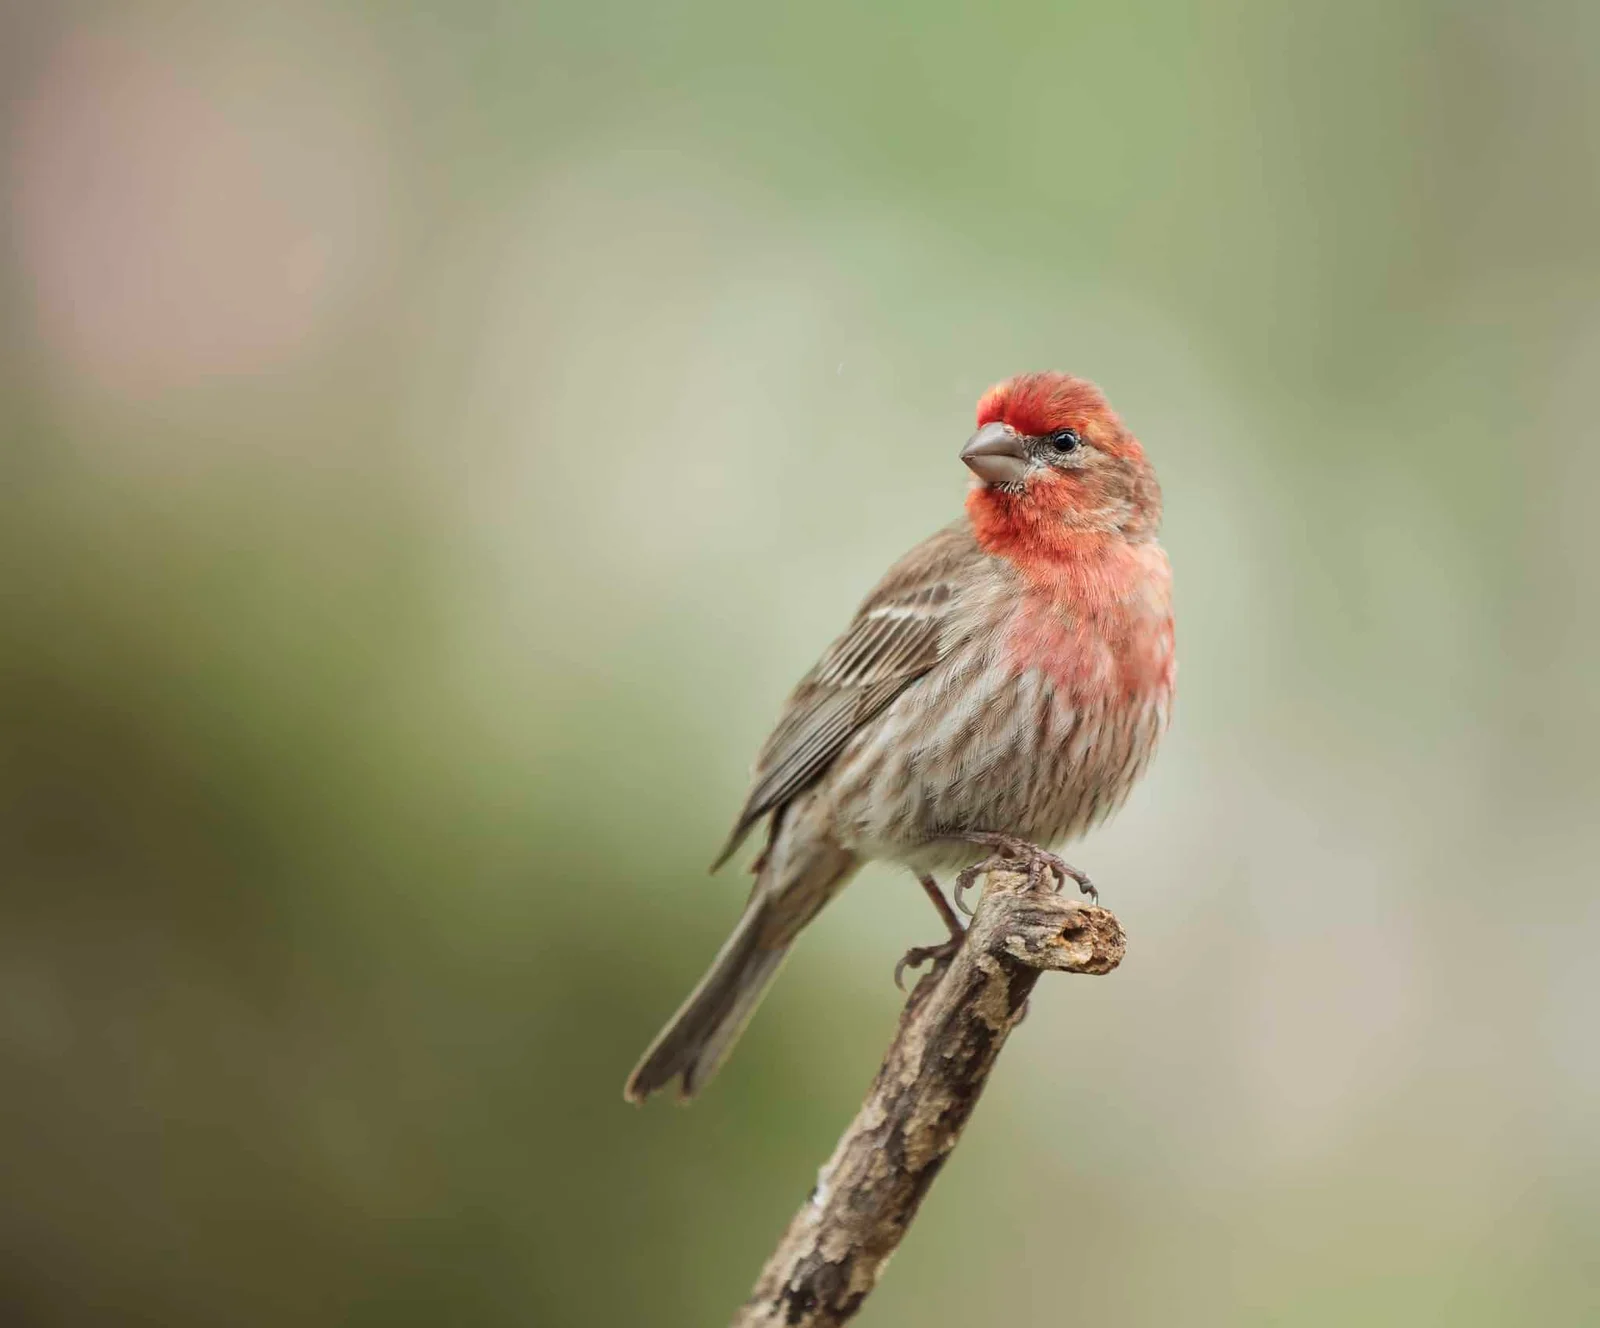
{"type": "Point", "coordinates": [950, 1033]}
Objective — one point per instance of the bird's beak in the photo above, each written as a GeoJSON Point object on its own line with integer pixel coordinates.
{"type": "Point", "coordinates": [996, 455]}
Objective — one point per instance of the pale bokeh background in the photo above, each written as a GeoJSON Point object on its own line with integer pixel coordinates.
{"type": "Point", "coordinates": [433, 440]}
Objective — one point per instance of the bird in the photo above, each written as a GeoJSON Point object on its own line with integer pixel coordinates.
{"type": "Point", "coordinates": [999, 691]}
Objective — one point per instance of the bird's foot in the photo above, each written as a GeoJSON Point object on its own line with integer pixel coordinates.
{"type": "Point", "coordinates": [1012, 852]}
{"type": "Point", "coordinates": [918, 955]}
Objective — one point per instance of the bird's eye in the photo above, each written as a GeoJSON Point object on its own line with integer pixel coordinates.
{"type": "Point", "coordinates": [1064, 440]}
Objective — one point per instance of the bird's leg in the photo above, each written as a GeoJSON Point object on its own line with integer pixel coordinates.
{"type": "Point", "coordinates": [946, 913]}
{"type": "Point", "coordinates": [1010, 851]}
{"type": "Point", "coordinates": [945, 951]}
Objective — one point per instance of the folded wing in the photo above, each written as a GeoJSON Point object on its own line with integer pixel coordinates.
{"type": "Point", "coordinates": [901, 631]}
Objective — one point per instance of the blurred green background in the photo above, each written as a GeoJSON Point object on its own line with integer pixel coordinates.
{"type": "Point", "coordinates": [434, 439]}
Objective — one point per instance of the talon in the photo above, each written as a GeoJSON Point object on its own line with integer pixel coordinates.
{"type": "Point", "coordinates": [1011, 851]}
{"type": "Point", "coordinates": [918, 955]}
{"type": "Point", "coordinates": [964, 882]}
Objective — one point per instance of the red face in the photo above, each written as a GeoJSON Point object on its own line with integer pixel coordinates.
{"type": "Point", "coordinates": [1052, 457]}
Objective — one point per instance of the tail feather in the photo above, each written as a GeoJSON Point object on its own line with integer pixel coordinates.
{"type": "Point", "coordinates": [698, 1036]}
{"type": "Point", "coordinates": [797, 875]}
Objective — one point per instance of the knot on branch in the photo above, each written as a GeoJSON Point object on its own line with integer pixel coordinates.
{"type": "Point", "coordinates": [1046, 931]}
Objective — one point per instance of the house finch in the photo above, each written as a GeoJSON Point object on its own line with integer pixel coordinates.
{"type": "Point", "coordinates": [1003, 687]}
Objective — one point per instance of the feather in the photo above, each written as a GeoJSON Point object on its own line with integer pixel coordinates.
{"type": "Point", "coordinates": [900, 632]}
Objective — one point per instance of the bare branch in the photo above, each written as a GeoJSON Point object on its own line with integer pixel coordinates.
{"type": "Point", "coordinates": [950, 1034]}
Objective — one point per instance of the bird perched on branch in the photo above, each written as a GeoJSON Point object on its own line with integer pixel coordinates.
{"type": "Point", "coordinates": [1001, 689]}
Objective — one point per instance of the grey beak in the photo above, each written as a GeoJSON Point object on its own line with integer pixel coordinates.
{"type": "Point", "coordinates": [996, 455]}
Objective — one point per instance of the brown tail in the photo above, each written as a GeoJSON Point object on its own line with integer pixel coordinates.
{"type": "Point", "coordinates": [698, 1036]}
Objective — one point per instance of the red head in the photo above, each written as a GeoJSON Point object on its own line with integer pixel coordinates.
{"type": "Point", "coordinates": [1053, 462]}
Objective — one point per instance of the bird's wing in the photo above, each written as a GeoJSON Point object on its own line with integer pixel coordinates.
{"type": "Point", "coordinates": [897, 635]}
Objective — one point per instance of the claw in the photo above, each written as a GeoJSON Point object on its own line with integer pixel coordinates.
{"type": "Point", "coordinates": [918, 955]}
{"type": "Point", "coordinates": [1014, 852]}
{"type": "Point", "coordinates": [965, 881]}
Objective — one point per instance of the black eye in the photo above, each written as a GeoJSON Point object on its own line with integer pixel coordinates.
{"type": "Point", "coordinates": [1064, 440]}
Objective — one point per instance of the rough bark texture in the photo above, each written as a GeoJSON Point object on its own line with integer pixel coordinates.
{"type": "Point", "coordinates": [950, 1033]}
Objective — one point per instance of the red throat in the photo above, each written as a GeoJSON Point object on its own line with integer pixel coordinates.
{"type": "Point", "coordinates": [1096, 609]}
{"type": "Point", "coordinates": [1027, 528]}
